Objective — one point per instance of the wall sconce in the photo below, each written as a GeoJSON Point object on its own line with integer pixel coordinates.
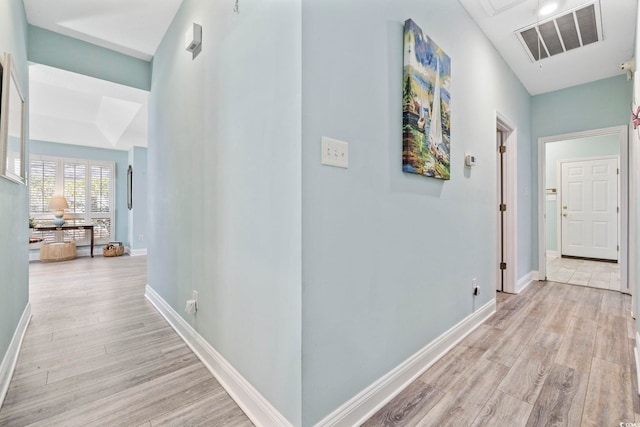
{"type": "Point", "coordinates": [193, 38]}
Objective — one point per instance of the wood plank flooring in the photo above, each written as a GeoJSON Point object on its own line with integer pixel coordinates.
{"type": "Point", "coordinates": [556, 355]}
{"type": "Point", "coordinates": [96, 353]}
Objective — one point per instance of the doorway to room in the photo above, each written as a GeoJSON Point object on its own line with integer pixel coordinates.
{"type": "Point", "coordinates": [583, 203]}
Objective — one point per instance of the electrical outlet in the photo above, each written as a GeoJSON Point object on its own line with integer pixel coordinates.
{"type": "Point", "coordinates": [140, 237]}
{"type": "Point", "coordinates": [474, 287]}
{"type": "Point", "coordinates": [190, 307]}
{"type": "Point", "coordinates": [194, 296]}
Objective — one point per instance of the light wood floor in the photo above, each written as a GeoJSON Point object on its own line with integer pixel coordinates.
{"type": "Point", "coordinates": [558, 355]}
{"type": "Point", "coordinates": [97, 353]}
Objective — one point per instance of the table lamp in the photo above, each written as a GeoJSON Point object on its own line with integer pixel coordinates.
{"type": "Point", "coordinates": [58, 204]}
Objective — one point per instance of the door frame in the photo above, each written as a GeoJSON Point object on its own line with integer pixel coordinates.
{"type": "Point", "coordinates": [559, 195]}
{"type": "Point", "coordinates": [623, 138]}
{"type": "Point", "coordinates": [510, 186]}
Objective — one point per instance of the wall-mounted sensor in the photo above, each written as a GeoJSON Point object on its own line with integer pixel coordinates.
{"type": "Point", "coordinates": [629, 67]}
{"type": "Point", "coordinates": [193, 37]}
{"type": "Point", "coordinates": [469, 160]}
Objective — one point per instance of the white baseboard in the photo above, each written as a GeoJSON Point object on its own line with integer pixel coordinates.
{"type": "Point", "coordinates": [370, 400]}
{"type": "Point", "coordinates": [636, 352]}
{"type": "Point", "coordinates": [553, 254]}
{"type": "Point", "coordinates": [10, 358]}
{"type": "Point", "coordinates": [254, 405]}
{"type": "Point", "coordinates": [526, 280]}
{"type": "Point", "coordinates": [136, 252]}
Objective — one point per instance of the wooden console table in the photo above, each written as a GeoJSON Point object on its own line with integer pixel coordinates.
{"type": "Point", "coordinates": [69, 227]}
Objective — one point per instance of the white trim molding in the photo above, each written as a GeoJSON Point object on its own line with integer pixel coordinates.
{"type": "Point", "coordinates": [553, 254]}
{"type": "Point", "coordinates": [254, 405]}
{"type": "Point", "coordinates": [370, 400]}
{"type": "Point", "coordinates": [627, 199]}
{"type": "Point", "coordinates": [510, 181]}
{"type": "Point", "coordinates": [10, 358]}
{"type": "Point", "coordinates": [136, 252]}
{"type": "Point", "coordinates": [526, 280]}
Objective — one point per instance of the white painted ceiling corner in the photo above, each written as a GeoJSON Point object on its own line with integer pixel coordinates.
{"type": "Point", "coordinates": [132, 27]}
{"type": "Point", "coordinates": [74, 109]}
{"type": "Point", "coordinates": [71, 108]}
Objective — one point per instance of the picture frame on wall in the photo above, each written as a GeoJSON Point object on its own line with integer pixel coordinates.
{"type": "Point", "coordinates": [12, 123]}
{"type": "Point", "coordinates": [130, 187]}
{"type": "Point", "coordinates": [426, 106]}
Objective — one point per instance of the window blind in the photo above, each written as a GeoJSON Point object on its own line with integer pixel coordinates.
{"type": "Point", "coordinates": [42, 185]}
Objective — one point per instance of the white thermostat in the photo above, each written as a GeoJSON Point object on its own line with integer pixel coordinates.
{"type": "Point", "coordinates": [469, 160]}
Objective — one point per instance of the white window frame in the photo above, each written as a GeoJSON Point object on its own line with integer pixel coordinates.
{"type": "Point", "coordinates": [88, 215]}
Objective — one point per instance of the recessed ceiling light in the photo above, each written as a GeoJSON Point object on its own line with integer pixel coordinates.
{"type": "Point", "coordinates": [547, 8]}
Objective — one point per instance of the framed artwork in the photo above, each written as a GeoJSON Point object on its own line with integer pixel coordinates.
{"type": "Point", "coordinates": [12, 123]}
{"type": "Point", "coordinates": [426, 106]}
{"type": "Point", "coordinates": [130, 188]}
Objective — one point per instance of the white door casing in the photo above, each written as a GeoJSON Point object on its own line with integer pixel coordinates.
{"type": "Point", "coordinates": [510, 181]}
{"type": "Point", "coordinates": [589, 208]}
{"type": "Point", "coordinates": [627, 199]}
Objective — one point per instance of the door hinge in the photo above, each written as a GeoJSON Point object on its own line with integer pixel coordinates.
{"type": "Point", "coordinates": [503, 266]}
{"type": "Point", "coordinates": [503, 207]}
{"type": "Point", "coordinates": [618, 209]}
{"type": "Point", "coordinates": [502, 149]}
{"type": "Point", "coordinates": [618, 248]}
{"type": "Point", "coordinates": [618, 171]}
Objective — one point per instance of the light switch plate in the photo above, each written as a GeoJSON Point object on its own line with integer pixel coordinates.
{"type": "Point", "coordinates": [335, 152]}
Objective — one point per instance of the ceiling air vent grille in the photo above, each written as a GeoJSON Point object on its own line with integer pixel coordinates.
{"type": "Point", "coordinates": [570, 30]}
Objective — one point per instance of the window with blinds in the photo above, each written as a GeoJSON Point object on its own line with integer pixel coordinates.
{"type": "Point", "coordinates": [88, 186]}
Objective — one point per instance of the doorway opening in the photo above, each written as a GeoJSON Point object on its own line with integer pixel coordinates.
{"type": "Point", "coordinates": [583, 208]}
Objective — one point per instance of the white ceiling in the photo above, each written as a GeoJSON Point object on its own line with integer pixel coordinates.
{"type": "Point", "coordinates": [132, 27]}
{"type": "Point", "coordinates": [499, 19]}
{"type": "Point", "coordinates": [75, 109]}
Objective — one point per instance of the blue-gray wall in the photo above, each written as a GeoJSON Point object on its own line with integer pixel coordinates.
{"type": "Point", "coordinates": [388, 257]}
{"type": "Point", "coordinates": [596, 146]}
{"type": "Point", "coordinates": [332, 276]}
{"type": "Point", "coordinates": [600, 104]}
{"type": "Point", "coordinates": [14, 204]}
{"type": "Point", "coordinates": [138, 214]}
{"type": "Point", "coordinates": [224, 186]}
{"type": "Point", "coordinates": [60, 51]}
{"type": "Point", "coordinates": [79, 152]}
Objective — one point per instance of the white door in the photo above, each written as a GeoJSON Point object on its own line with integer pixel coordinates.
{"type": "Point", "coordinates": [589, 208]}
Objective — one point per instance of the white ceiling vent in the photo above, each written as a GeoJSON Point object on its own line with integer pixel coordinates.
{"type": "Point", "coordinates": [561, 33]}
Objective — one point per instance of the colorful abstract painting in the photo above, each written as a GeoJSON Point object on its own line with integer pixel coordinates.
{"type": "Point", "coordinates": [426, 101]}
